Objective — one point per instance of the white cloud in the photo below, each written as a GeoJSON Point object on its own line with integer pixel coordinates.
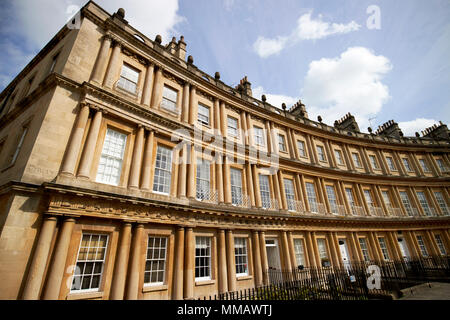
{"type": "Point", "coordinates": [409, 128]}
{"type": "Point", "coordinates": [274, 99]}
{"type": "Point", "coordinates": [348, 83]}
{"type": "Point", "coordinates": [267, 47]}
{"type": "Point", "coordinates": [307, 29]}
{"type": "Point", "coordinates": [34, 23]}
{"type": "Point", "coordinates": [311, 29]}
{"type": "Point", "coordinates": [39, 21]}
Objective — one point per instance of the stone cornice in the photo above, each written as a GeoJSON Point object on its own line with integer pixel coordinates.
{"type": "Point", "coordinates": [71, 200]}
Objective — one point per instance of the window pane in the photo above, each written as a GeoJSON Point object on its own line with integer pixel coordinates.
{"type": "Point", "coordinates": [240, 253]}
{"type": "Point", "coordinates": [110, 164]}
{"type": "Point", "coordinates": [155, 264]}
{"type": "Point", "coordinates": [264, 190]}
{"type": "Point", "coordinates": [163, 168]}
{"type": "Point", "coordinates": [203, 114]}
{"type": "Point", "coordinates": [202, 258]}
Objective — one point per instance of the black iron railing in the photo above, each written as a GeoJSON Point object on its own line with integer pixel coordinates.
{"type": "Point", "coordinates": [355, 281]}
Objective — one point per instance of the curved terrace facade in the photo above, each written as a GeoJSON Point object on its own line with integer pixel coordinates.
{"type": "Point", "coordinates": [128, 173]}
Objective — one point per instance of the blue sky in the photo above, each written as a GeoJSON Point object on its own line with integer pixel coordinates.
{"type": "Point", "coordinates": [321, 52]}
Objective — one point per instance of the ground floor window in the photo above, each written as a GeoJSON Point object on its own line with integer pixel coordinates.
{"type": "Point", "coordinates": [364, 249]}
{"type": "Point", "coordinates": [155, 264]}
{"type": "Point", "coordinates": [202, 258]}
{"type": "Point", "coordinates": [384, 249]}
{"type": "Point", "coordinates": [240, 254]}
{"type": "Point", "coordinates": [90, 263]}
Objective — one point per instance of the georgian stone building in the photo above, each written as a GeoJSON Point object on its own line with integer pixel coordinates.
{"type": "Point", "coordinates": [128, 173]}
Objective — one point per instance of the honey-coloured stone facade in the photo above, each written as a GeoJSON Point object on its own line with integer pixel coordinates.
{"type": "Point", "coordinates": [282, 190]}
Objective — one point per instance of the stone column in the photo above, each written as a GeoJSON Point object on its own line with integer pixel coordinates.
{"type": "Point", "coordinates": [417, 164]}
{"type": "Point", "coordinates": [41, 253]}
{"type": "Point", "coordinates": [283, 201]}
{"type": "Point", "coordinates": [148, 85]}
{"type": "Point", "coordinates": [157, 88]}
{"type": "Point", "coordinates": [434, 167]}
{"type": "Point", "coordinates": [334, 256]}
{"type": "Point", "coordinates": [185, 106]}
{"type": "Point", "coordinates": [291, 250]}
{"type": "Point", "coordinates": [325, 196]}
{"type": "Point", "coordinates": [219, 177]}
{"type": "Point", "coordinates": [97, 75]}
{"type": "Point", "coordinates": [331, 158]}
{"type": "Point", "coordinates": [365, 160]}
{"type": "Point", "coordinates": [394, 243]}
{"type": "Point", "coordinates": [432, 244]}
{"type": "Point", "coordinates": [250, 130]}
{"type": "Point", "coordinates": [348, 157]}
{"type": "Point", "coordinates": [362, 198]}
{"type": "Point", "coordinates": [217, 125]}
{"type": "Point", "coordinates": [75, 141]}
{"type": "Point", "coordinates": [113, 66]}
{"type": "Point", "coordinates": [376, 251]}
{"type": "Point", "coordinates": [183, 172]}
{"type": "Point", "coordinates": [298, 187]}
{"type": "Point", "coordinates": [382, 162]}
{"type": "Point", "coordinates": [56, 270]}
{"type": "Point", "coordinates": [379, 197]}
{"type": "Point", "coordinates": [193, 105]}
{"type": "Point", "coordinates": [305, 195]}
{"type": "Point", "coordinates": [223, 274]}
{"type": "Point", "coordinates": [287, 259]}
{"type": "Point", "coordinates": [120, 269]}
{"type": "Point", "coordinates": [311, 149]}
{"type": "Point", "coordinates": [136, 161]}
{"type": "Point", "coordinates": [358, 251]}
{"type": "Point", "coordinates": [250, 189]}
{"type": "Point", "coordinates": [226, 181]}
{"type": "Point", "coordinates": [88, 153]}
{"type": "Point", "coordinates": [191, 178]}
{"type": "Point", "coordinates": [258, 202]}
{"type": "Point", "coordinates": [270, 142]}
{"type": "Point", "coordinates": [231, 263]}
{"type": "Point", "coordinates": [414, 251]}
{"type": "Point", "coordinates": [336, 245]}
{"type": "Point", "coordinates": [257, 259]}
{"type": "Point", "coordinates": [133, 277]}
{"type": "Point", "coordinates": [178, 267]}
{"type": "Point", "coordinates": [264, 263]}
{"type": "Point", "coordinates": [294, 154]}
{"type": "Point", "coordinates": [223, 119]}
{"type": "Point", "coordinates": [244, 128]}
{"type": "Point", "coordinates": [399, 164]}
{"type": "Point", "coordinates": [189, 263]}
{"type": "Point", "coordinates": [315, 248]}
{"type": "Point", "coordinates": [310, 249]}
{"type": "Point", "coordinates": [147, 166]}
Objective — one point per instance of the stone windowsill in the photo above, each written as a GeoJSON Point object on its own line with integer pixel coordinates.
{"type": "Point", "coordinates": [85, 295]}
{"type": "Point", "coordinates": [204, 283]}
{"type": "Point", "coordinates": [241, 278]}
{"type": "Point", "coordinates": [154, 288]}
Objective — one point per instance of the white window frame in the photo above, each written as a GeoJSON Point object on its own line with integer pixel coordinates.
{"type": "Point", "coordinates": [338, 155]}
{"type": "Point", "coordinates": [159, 259]}
{"type": "Point", "coordinates": [203, 241]}
{"type": "Point", "coordinates": [322, 248]}
{"type": "Point", "coordinates": [390, 163]}
{"type": "Point", "coordinates": [301, 148]}
{"type": "Point", "coordinates": [113, 152]}
{"type": "Point", "coordinates": [321, 153]}
{"type": "Point", "coordinates": [424, 165]}
{"type": "Point", "coordinates": [441, 201]}
{"type": "Point", "coordinates": [241, 256]}
{"type": "Point", "coordinates": [356, 160]}
{"type": "Point", "coordinates": [373, 162]}
{"type": "Point", "coordinates": [424, 202]}
{"type": "Point", "coordinates": [404, 198]}
{"type": "Point", "coordinates": [331, 195]}
{"type": "Point", "coordinates": [384, 249]}
{"type": "Point", "coordinates": [236, 186]}
{"type": "Point", "coordinates": [203, 186]}
{"type": "Point", "coordinates": [422, 246]}
{"type": "Point", "coordinates": [311, 196]}
{"type": "Point", "coordinates": [259, 136]}
{"type": "Point", "coordinates": [232, 127]}
{"type": "Point", "coordinates": [264, 188]}
{"type": "Point", "coordinates": [167, 102]}
{"type": "Point", "coordinates": [440, 244]}
{"type": "Point", "coordinates": [129, 78]}
{"type": "Point", "coordinates": [203, 116]}
{"type": "Point", "coordinates": [299, 249]}
{"type": "Point", "coordinates": [290, 194]}
{"type": "Point", "coordinates": [162, 152]}
{"type": "Point", "coordinates": [407, 165]}
{"type": "Point", "coordinates": [86, 261]}
{"type": "Point", "coordinates": [364, 249]}
{"type": "Point", "coordinates": [281, 143]}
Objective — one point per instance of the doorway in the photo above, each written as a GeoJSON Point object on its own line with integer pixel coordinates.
{"type": "Point", "coordinates": [273, 261]}
{"type": "Point", "coordinates": [344, 253]}
{"type": "Point", "coordinates": [403, 247]}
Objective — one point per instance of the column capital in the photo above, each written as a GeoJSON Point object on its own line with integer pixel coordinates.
{"type": "Point", "coordinates": [108, 37]}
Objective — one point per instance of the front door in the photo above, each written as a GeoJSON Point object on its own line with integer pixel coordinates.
{"type": "Point", "coordinates": [403, 247]}
{"type": "Point", "coordinates": [273, 261]}
{"type": "Point", "coordinates": [344, 252]}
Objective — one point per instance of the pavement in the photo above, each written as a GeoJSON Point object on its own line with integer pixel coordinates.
{"type": "Point", "coordinates": [427, 291]}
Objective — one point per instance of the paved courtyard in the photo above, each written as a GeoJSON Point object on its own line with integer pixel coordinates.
{"type": "Point", "coordinates": [428, 291]}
